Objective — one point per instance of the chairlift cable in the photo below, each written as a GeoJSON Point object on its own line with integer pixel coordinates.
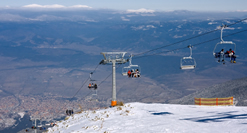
{"type": "Point", "coordinates": [85, 82]}
{"type": "Point", "coordinates": [108, 76]}
{"type": "Point", "coordinates": [177, 42]}
{"type": "Point", "coordinates": [218, 38]}
{"type": "Point", "coordinates": [82, 86]}
{"type": "Point", "coordinates": [189, 38]}
{"type": "Point", "coordinates": [191, 45]}
{"type": "Point", "coordinates": [164, 52]}
{"type": "Point", "coordinates": [236, 22]}
{"type": "Point", "coordinates": [161, 52]}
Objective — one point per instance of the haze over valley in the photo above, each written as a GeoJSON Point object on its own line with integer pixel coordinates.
{"type": "Point", "coordinates": [47, 55]}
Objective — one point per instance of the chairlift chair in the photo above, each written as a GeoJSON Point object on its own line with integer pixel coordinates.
{"type": "Point", "coordinates": [92, 84]}
{"type": "Point", "coordinates": [94, 96]}
{"type": "Point", "coordinates": [134, 68]}
{"type": "Point", "coordinates": [33, 122]}
{"type": "Point", "coordinates": [188, 62]}
{"type": "Point", "coordinates": [47, 123]}
{"type": "Point", "coordinates": [223, 44]}
{"type": "Point", "coordinates": [52, 122]}
{"type": "Point", "coordinates": [40, 123]}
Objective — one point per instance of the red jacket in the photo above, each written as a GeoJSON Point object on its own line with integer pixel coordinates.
{"type": "Point", "coordinates": [129, 72]}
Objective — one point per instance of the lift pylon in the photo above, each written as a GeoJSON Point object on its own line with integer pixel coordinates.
{"type": "Point", "coordinates": [35, 123]}
{"type": "Point", "coordinates": [113, 58]}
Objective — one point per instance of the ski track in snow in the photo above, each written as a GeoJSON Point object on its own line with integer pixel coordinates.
{"type": "Point", "coordinates": [157, 118]}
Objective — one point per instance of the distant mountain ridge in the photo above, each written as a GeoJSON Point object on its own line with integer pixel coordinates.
{"type": "Point", "coordinates": [236, 88]}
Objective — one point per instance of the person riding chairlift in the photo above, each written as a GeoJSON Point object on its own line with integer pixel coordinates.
{"type": "Point", "coordinates": [132, 73]}
{"type": "Point", "coordinates": [129, 73]}
{"type": "Point", "coordinates": [89, 86]}
{"type": "Point", "coordinates": [221, 56]}
{"type": "Point", "coordinates": [95, 86]}
{"type": "Point", "coordinates": [232, 56]}
{"type": "Point", "coordinates": [137, 73]}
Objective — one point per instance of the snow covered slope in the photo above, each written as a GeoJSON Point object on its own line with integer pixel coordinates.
{"type": "Point", "coordinates": [157, 118]}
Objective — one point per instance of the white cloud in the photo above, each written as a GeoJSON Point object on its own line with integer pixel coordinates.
{"type": "Point", "coordinates": [143, 27]}
{"type": "Point", "coordinates": [241, 10]}
{"type": "Point", "coordinates": [11, 17]}
{"type": "Point", "coordinates": [80, 6]}
{"type": "Point", "coordinates": [44, 6]}
{"type": "Point", "coordinates": [55, 6]}
{"type": "Point", "coordinates": [142, 10]}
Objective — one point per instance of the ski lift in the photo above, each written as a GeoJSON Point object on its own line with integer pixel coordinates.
{"type": "Point", "coordinates": [52, 122]}
{"type": "Point", "coordinates": [188, 62]}
{"type": "Point", "coordinates": [131, 70]}
{"type": "Point", "coordinates": [94, 96]}
{"type": "Point", "coordinates": [92, 84]}
{"type": "Point", "coordinates": [223, 44]}
{"type": "Point", "coordinates": [47, 123]}
{"type": "Point", "coordinates": [40, 123]}
{"type": "Point", "coordinates": [34, 120]}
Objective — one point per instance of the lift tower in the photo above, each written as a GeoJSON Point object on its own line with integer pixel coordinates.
{"type": "Point", "coordinates": [113, 58]}
{"type": "Point", "coordinates": [35, 125]}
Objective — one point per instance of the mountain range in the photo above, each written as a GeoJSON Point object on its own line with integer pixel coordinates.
{"type": "Point", "coordinates": [49, 54]}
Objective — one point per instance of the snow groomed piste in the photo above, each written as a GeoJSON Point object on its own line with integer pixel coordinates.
{"type": "Point", "coordinates": [157, 118]}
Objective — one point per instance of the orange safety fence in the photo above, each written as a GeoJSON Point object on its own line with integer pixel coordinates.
{"type": "Point", "coordinates": [214, 101]}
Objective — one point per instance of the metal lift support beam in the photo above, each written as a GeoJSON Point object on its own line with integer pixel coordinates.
{"type": "Point", "coordinates": [35, 119]}
{"type": "Point", "coordinates": [113, 58]}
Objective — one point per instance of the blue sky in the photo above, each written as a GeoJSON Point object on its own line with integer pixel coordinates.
{"type": "Point", "coordinates": [162, 5]}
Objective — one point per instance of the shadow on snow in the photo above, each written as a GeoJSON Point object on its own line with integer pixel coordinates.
{"type": "Point", "coordinates": [218, 118]}
{"type": "Point", "coordinates": [162, 113]}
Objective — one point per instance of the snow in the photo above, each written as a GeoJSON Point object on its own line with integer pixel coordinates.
{"type": "Point", "coordinates": [55, 6]}
{"type": "Point", "coordinates": [44, 6]}
{"type": "Point", "coordinates": [21, 114]}
{"type": "Point", "coordinates": [143, 27]}
{"type": "Point", "coordinates": [210, 23]}
{"type": "Point", "coordinates": [157, 118]}
{"type": "Point", "coordinates": [80, 6]}
{"type": "Point", "coordinates": [125, 19]}
{"type": "Point", "coordinates": [142, 10]}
